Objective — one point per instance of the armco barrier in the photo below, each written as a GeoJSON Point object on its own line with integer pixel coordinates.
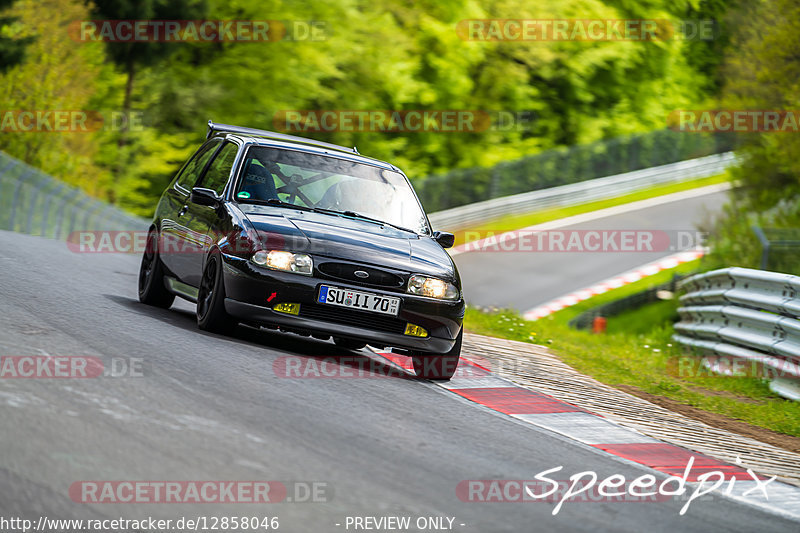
{"type": "Point", "coordinates": [562, 166]}
{"type": "Point", "coordinates": [33, 202]}
{"type": "Point", "coordinates": [746, 315]}
{"type": "Point", "coordinates": [581, 192]}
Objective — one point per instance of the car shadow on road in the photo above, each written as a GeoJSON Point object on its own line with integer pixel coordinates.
{"type": "Point", "coordinates": [316, 356]}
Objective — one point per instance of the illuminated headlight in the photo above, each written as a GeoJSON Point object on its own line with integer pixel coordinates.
{"type": "Point", "coordinates": [432, 288]}
{"type": "Point", "coordinates": [286, 261]}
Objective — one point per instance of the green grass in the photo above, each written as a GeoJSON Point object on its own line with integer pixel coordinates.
{"type": "Point", "coordinates": [641, 320]}
{"type": "Point", "coordinates": [637, 351]}
{"type": "Point", "coordinates": [515, 222]}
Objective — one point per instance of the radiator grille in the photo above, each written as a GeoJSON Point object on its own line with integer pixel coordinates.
{"type": "Point", "coordinates": [350, 317]}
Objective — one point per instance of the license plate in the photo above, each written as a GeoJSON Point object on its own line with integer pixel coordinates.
{"type": "Point", "coordinates": [363, 301]}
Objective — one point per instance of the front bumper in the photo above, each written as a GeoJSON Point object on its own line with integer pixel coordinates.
{"type": "Point", "coordinates": [252, 292]}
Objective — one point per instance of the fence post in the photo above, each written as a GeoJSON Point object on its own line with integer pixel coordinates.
{"type": "Point", "coordinates": [764, 246]}
{"type": "Point", "coordinates": [32, 208]}
{"type": "Point", "coordinates": [75, 212]}
{"type": "Point", "coordinates": [61, 208]}
{"type": "Point", "coordinates": [15, 199]}
{"type": "Point", "coordinates": [46, 208]}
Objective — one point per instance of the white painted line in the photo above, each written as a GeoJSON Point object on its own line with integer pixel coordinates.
{"type": "Point", "coordinates": [483, 382]}
{"type": "Point", "coordinates": [592, 215]}
{"type": "Point", "coordinates": [586, 427]}
{"type": "Point", "coordinates": [782, 498]}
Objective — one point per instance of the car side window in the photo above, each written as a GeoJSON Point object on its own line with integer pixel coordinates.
{"type": "Point", "coordinates": [191, 171]}
{"type": "Point", "coordinates": [218, 173]}
{"type": "Point", "coordinates": [257, 182]}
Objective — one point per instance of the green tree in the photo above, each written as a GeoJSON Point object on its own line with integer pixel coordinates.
{"type": "Point", "coordinates": [762, 71]}
{"type": "Point", "coordinates": [132, 55]}
{"type": "Point", "coordinates": [12, 49]}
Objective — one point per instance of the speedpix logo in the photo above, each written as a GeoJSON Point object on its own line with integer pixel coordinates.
{"type": "Point", "coordinates": [588, 487]}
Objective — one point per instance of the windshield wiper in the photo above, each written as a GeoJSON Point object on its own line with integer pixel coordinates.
{"type": "Point", "coordinates": [277, 202]}
{"type": "Point", "coordinates": [353, 214]}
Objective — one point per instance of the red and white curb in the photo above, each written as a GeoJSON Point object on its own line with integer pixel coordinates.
{"type": "Point", "coordinates": [479, 385]}
{"type": "Point", "coordinates": [665, 263]}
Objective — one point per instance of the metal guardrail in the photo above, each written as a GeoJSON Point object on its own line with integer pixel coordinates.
{"type": "Point", "coordinates": [746, 316]}
{"type": "Point", "coordinates": [33, 202]}
{"type": "Point", "coordinates": [581, 192]}
{"type": "Point", "coordinates": [564, 165]}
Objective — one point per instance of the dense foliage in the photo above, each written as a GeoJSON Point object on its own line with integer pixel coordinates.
{"type": "Point", "coordinates": [761, 71]}
{"type": "Point", "coordinates": [12, 48]}
{"type": "Point", "coordinates": [370, 55]}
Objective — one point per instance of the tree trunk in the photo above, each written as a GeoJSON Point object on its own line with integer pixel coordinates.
{"type": "Point", "coordinates": [126, 104]}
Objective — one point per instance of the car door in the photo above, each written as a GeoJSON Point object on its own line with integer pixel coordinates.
{"type": "Point", "coordinates": [175, 232]}
{"type": "Point", "coordinates": [203, 221]}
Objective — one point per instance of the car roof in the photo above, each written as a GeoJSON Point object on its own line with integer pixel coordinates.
{"type": "Point", "coordinates": [291, 142]}
{"type": "Point", "coordinates": [309, 148]}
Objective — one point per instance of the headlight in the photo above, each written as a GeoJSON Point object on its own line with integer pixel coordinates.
{"type": "Point", "coordinates": [286, 261]}
{"type": "Point", "coordinates": [432, 288]}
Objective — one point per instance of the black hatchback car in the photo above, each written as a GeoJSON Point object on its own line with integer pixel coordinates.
{"type": "Point", "coordinates": [307, 237]}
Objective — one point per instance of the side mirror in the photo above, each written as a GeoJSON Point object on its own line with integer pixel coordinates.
{"type": "Point", "coordinates": [202, 196]}
{"type": "Point", "coordinates": [446, 240]}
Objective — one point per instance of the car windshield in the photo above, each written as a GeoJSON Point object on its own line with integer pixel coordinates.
{"type": "Point", "coordinates": [329, 184]}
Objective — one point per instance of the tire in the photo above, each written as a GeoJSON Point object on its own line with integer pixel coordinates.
{"type": "Point", "coordinates": [152, 290]}
{"type": "Point", "coordinates": [211, 314]}
{"type": "Point", "coordinates": [438, 367]}
{"type": "Point", "coordinates": [349, 344]}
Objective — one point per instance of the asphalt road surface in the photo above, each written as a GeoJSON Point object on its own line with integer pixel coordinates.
{"type": "Point", "coordinates": [522, 280]}
{"type": "Point", "coordinates": [207, 407]}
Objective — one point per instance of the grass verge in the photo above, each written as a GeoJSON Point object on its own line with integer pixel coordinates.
{"type": "Point", "coordinates": [510, 223]}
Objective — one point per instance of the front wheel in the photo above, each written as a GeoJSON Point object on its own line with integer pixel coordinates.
{"type": "Point", "coordinates": [211, 314]}
{"type": "Point", "coordinates": [152, 290]}
{"type": "Point", "coordinates": [439, 367]}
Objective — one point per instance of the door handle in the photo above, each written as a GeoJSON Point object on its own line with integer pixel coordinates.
{"type": "Point", "coordinates": [183, 210]}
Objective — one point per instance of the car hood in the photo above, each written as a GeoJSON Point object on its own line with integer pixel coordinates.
{"type": "Point", "coordinates": [350, 239]}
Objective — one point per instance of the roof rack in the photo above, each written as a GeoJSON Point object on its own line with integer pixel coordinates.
{"type": "Point", "coordinates": [212, 127]}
